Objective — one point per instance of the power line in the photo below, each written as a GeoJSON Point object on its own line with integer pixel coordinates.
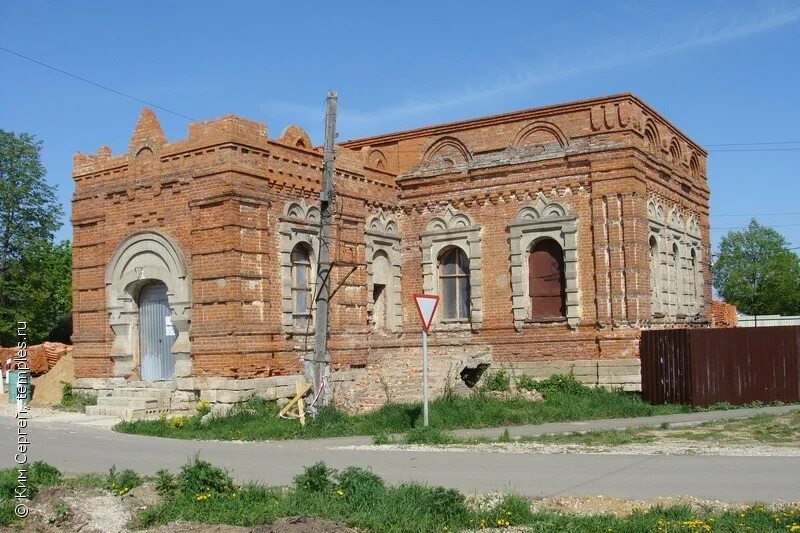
{"type": "Point", "coordinates": [745, 227]}
{"type": "Point", "coordinates": [755, 214]}
{"type": "Point", "coordinates": [725, 147]}
{"type": "Point", "coordinates": [755, 143]}
{"type": "Point", "coordinates": [755, 150]}
{"type": "Point", "coordinates": [99, 85]}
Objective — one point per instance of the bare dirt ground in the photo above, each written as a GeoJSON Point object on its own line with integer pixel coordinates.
{"type": "Point", "coordinates": [294, 524]}
{"type": "Point", "coordinates": [673, 447]}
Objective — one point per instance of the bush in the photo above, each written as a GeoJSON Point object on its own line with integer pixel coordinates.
{"type": "Point", "coordinates": [561, 384]}
{"type": "Point", "coordinates": [496, 381]}
{"type": "Point", "coordinates": [525, 382]}
{"type": "Point", "coordinates": [381, 438]}
{"type": "Point", "coordinates": [354, 479]}
{"type": "Point", "coordinates": [7, 516]}
{"type": "Point", "coordinates": [512, 511]}
{"type": "Point", "coordinates": [121, 483]}
{"type": "Point", "coordinates": [315, 478]}
{"type": "Point", "coordinates": [201, 477]}
{"type": "Point", "coordinates": [40, 474]}
{"type": "Point", "coordinates": [70, 401]}
{"type": "Point", "coordinates": [166, 484]}
{"type": "Point", "coordinates": [203, 408]}
{"type": "Point", "coordinates": [427, 435]}
{"type": "Point", "coordinates": [359, 488]}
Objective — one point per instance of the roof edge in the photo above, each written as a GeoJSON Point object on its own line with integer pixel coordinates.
{"type": "Point", "coordinates": [476, 122]}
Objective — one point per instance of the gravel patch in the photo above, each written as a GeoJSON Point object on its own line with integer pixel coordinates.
{"type": "Point", "coordinates": [673, 447]}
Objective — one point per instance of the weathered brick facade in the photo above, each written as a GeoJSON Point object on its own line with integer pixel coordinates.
{"type": "Point", "coordinates": [611, 180]}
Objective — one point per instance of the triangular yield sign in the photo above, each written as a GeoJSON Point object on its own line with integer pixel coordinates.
{"type": "Point", "coordinates": [426, 306]}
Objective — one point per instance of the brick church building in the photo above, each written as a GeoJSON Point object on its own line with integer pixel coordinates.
{"type": "Point", "coordinates": [552, 235]}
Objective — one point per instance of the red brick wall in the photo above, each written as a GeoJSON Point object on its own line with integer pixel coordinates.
{"type": "Point", "coordinates": [723, 314]}
{"type": "Point", "coordinates": [219, 194]}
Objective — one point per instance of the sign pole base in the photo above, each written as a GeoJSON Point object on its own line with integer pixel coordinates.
{"type": "Point", "coordinates": [425, 378]}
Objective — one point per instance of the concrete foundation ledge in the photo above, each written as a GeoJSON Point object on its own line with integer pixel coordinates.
{"type": "Point", "coordinates": [622, 374]}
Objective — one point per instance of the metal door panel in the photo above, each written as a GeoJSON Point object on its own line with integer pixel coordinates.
{"type": "Point", "coordinates": [156, 333]}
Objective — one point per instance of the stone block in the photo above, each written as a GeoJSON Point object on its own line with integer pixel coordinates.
{"type": "Point", "coordinates": [287, 391]}
{"type": "Point", "coordinates": [267, 394]}
{"type": "Point", "coordinates": [195, 383]}
{"type": "Point", "coordinates": [184, 396]}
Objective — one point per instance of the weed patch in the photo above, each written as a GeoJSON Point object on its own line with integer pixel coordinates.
{"type": "Point", "coordinates": [427, 435]}
{"type": "Point", "coordinates": [361, 499]}
{"type": "Point", "coordinates": [565, 399]}
{"type": "Point", "coordinates": [39, 475]}
{"type": "Point", "coordinates": [70, 401]}
{"type": "Point", "coordinates": [121, 483]}
{"type": "Point", "coordinates": [498, 381]}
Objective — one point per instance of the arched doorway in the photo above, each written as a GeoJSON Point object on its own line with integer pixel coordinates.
{"type": "Point", "coordinates": [142, 258]}
{"type": "Point", "coordinates": [156, 333]}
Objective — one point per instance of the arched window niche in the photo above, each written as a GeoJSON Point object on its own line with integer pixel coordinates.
{"type": "Point", "coordinates": [299, 242]}
{"type": "Point", "coordinates": [146, 258]}
{"type": "Point", "coordinates": [449, 230]}
{"type": "Point", "coordinates": [384, 306]}
{"type": "Point", "coordinates": [539, 223]}
{"type": "Point", "coordinates": [655, 276]}
{"type": "Point", "coordinates": [676, 267]}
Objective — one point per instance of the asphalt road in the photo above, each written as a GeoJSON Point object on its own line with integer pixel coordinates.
{"type": "Point", "coordinates": [83, 448]}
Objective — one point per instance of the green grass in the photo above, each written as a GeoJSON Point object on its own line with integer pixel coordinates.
{"type": "Point", "coordinates": [564, 400]}
{"type": "Point", "coordinates": [71, 401]}
{"type": "Point", "coordinates": [776, 430]}
{"type": "Point", "coordinates": [203, 493]}
{"type": "Point", "coordinates": [39, 475]}
{"type": "Point", "coordinates": [361, 499]}
{"type": "Point", "coordinates": [609, 437]}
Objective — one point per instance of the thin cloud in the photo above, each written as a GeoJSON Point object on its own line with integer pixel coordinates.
{"type": "Point", "coordinates": [357, 120]}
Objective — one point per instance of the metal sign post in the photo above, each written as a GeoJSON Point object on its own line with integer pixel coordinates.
{"type": "Point", "coordinates": [426, 307]}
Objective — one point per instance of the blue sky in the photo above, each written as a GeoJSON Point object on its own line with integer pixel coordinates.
{"type": "Point", "coordinates": [723, 72]}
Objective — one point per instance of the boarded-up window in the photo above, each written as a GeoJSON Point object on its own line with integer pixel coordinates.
{"type": "Point", "coordinates": [454, 284]}
{"type": "Point", "coordinates": [301, 285]}
{"type": "Point", "coordinates": [546, 281]}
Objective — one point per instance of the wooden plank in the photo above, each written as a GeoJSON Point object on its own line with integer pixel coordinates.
{"type": "Point", "coordinates": [301, 408]}
{"type": "Point", "coordinates": [302, 391]}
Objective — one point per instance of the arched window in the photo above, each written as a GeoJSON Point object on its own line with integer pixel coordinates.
{"type": "Point", "coordinates": [454, 284]}
{"type": "Point", "coordinates": [655, 292]}
{"type": "Point", "coordinates": [676, 282]}
{"type": "Point", "coordinates": [381, 275]}
{"type": "Point", "coordinates": [546, 281]}
{"type": "Point", "coordinates": [694, 166]}
{"type": "Point", "coordinates": [693, 264]}
{"type": "Point", "coordinates": [675, 152]}
{"type": "Point", "coordinates": [301, 285]}
{"type": "Point", "coordinates": [650, 139]}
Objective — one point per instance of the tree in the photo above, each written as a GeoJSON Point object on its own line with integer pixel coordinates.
{"type": "Point", "coordinates": [35, 275]}
{"type": "Point", "coordinates": [29, 210]}
{"type": "Point", "coordinates": [38, 289]}
{"type": "Point", "coordinates": [757, 272]}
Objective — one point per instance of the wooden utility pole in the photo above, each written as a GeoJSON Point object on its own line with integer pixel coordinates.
{"type": "Point", "coordinates": [321, 359]}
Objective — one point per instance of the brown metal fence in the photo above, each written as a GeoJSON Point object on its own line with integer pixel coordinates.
{"type": "Point", "coordinates": [705, 366]}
